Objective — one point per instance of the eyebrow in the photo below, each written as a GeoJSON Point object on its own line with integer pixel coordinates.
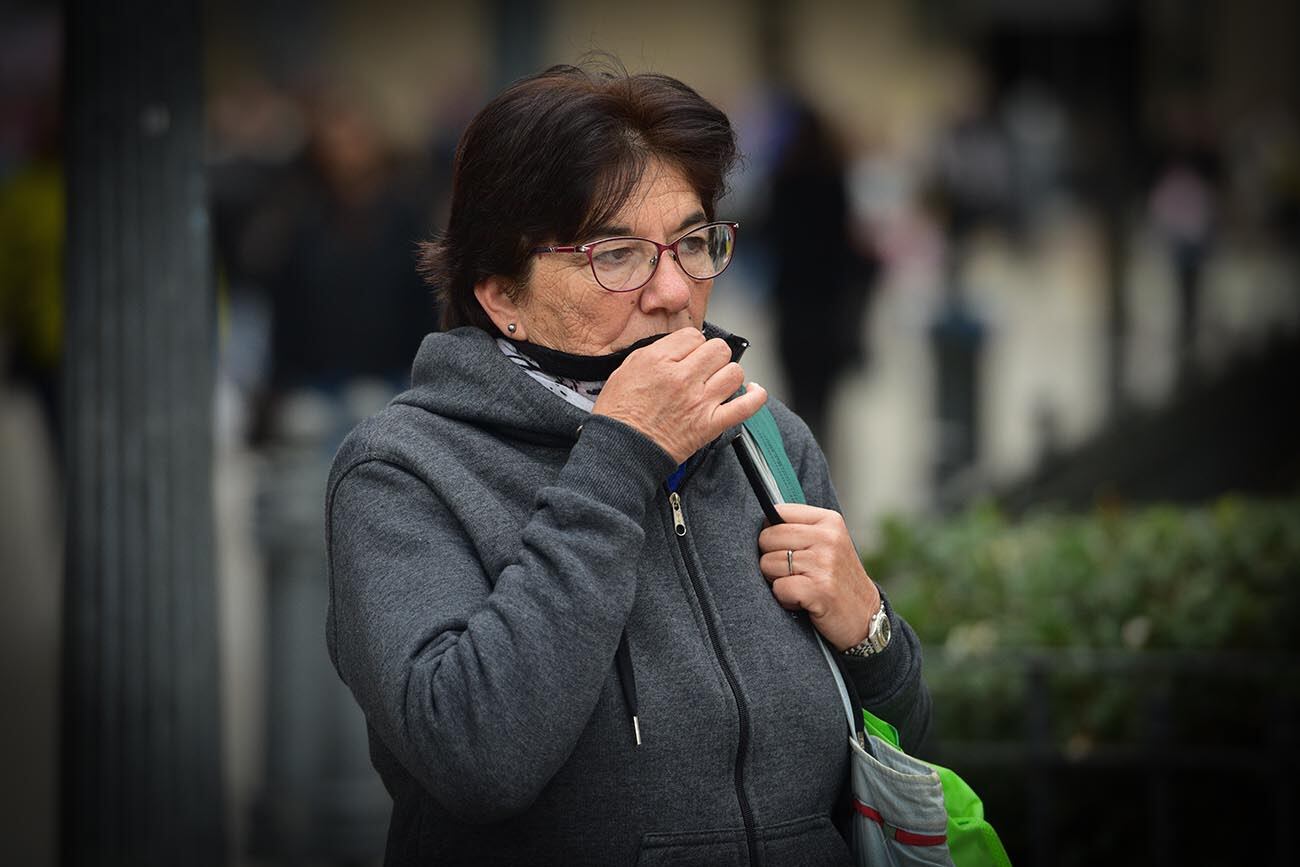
{"type": "Point", "coordinates": [608, 231]}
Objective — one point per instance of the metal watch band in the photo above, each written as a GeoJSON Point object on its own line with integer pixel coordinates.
{"type": "Point", "coordinates": [878, 634]}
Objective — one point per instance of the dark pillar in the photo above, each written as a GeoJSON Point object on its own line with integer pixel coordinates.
{"type": "Point", "coordinates": [140, 760]}
{"type": "Point", "coordinates": [1123, 84]}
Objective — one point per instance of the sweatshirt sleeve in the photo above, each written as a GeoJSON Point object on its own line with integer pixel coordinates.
{"type": "Point", "coordinates": [889, 684]}
{"type": "Point", "coordinates": [482, 689]}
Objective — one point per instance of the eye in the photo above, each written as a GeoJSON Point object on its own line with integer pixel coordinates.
{"type": "Point", "coordinates": [692, 245]}
{"type": "Point", "coordinates": [617, 255]}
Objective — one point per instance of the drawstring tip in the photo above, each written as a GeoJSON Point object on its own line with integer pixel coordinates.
{"type": "Point", "coordinates": [636, 729]}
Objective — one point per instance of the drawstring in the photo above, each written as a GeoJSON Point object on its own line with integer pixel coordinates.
{"type": "Point", "coordinates": [626, 679]}
{"type": "Point", "coordinates": [623, 658]}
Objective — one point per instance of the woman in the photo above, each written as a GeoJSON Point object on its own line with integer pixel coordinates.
{"type": "Point", "coordinates": [552, 589]}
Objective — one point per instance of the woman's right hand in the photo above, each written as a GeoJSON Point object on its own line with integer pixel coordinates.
{"type": "Point", "coordinates": [673, 391]}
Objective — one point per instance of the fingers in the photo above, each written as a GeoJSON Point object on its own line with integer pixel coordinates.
{"type": "Point", "coordinates": [779, 537]}
{"type": "Point", "coordinates": [775, 565]}
{"type": "Point", "coordinates": [707, 358]}
{"type": "Point", "coordinates": [811, 588]}
{"type": "Point", "coordinates": [678, 344]}
{"type": "Point", "coordinates": [725, 381]}
{"type": "Point", "coordinates": [678, 391]}
{"type": "Point", "coordinates": [798, 534]}
{"type": "Point", "coordinates": [795, 592]}
{"type": "Point", "coordinates": [733, 412]}
{"type": "Point", "coordinates": [808, 562]}
{"type": "Point", "coordinates": [691, 357]}
{"type": "Point", "coordinates": [788, 594]}
{"type": "Point", "coordinates": [799, 513]}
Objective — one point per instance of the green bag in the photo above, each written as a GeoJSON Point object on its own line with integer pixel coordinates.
{"type": "Point", "coordinates": [901, 801]}
{"type": "Point", "coordinates": [971, 839]}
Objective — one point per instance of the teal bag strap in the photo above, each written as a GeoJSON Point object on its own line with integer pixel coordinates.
{"type": "Point", "coordinates": [762, 427]}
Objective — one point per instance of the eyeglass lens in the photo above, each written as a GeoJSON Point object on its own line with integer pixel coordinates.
{"type": "Point", "coordinates": [624, 264]}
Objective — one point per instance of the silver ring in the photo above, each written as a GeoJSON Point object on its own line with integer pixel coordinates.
{"type": "Point", "coordinates": [789, 560]}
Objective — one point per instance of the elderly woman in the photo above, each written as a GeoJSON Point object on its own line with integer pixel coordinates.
{"type": "Point", "coordinates": [553, 592]}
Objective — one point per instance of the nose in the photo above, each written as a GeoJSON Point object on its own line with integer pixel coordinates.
{"type": "Point", "coordinates": [669, 289]}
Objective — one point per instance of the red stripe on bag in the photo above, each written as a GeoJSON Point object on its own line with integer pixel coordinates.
{"type": "Point", "coordinates": [907, 838]}
{"type": "Point", "coordinates": [869, 813]}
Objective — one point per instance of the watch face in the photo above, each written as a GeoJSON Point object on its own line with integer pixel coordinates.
{"type": "Point", "coordinates": [885, 630]}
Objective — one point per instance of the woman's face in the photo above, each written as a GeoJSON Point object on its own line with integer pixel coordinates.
{"type": "Point", "coordinates": [565, 308]}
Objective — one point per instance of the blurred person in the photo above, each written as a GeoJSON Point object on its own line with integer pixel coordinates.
{"type": "Point", "coordinates": [551, 588]}
{"type": "Point", "coordinates": [257, 137]}
{"type": "Point", "coordinates": [1183, 208]}
{"type": "Point", "coordinates": [1037, 135]}
{"type": "Point", "coordinates": [820, 299]}
{"type": "Point", "coordinates": [974, 171]}
{"type": "Point", "coordinates": [345, 299]}
{"type": "Point", "coordinates": [972, 190]}
{"type": "Point", "coordinates": [32, 229]}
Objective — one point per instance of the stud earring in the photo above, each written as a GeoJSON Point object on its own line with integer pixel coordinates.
{"type": "Point", "coordinates": [512, 328]}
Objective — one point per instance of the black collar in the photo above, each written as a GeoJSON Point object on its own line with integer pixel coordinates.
{"type": "Point", "coordinates": [597, 368]}
{"type": "Point", "coordinates": [584, 368]}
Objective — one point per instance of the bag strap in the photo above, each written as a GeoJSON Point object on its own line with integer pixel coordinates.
{"type": "Point", "coordinates": [854, 729]}
{"type": "Point", "coordinates": [762, 426]}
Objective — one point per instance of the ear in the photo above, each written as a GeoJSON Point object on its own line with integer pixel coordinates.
{"type": "Point", "coordinates": [493, 295]}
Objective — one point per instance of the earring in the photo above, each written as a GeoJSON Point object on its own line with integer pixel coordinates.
{"type": "Point", "coordinates": [512, 328]}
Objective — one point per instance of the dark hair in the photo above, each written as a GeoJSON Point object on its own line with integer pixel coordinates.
{"type": "Point", "coordinates": [555, 156]}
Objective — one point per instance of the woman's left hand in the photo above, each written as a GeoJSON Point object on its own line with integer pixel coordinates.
{"type": "Point", "coordinates": [828, 580]}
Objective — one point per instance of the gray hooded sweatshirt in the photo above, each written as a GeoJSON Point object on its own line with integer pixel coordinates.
{"type": "Point", "coordinates": [485, 558]}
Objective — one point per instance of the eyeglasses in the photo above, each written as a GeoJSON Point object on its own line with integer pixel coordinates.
{"type": "Point", "coordinates": [627, 264]}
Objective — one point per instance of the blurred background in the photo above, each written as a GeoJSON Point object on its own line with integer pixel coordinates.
{"type": "Point", "coordinates": [1049, 345]}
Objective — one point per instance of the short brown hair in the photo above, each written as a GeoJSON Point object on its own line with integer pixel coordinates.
{"type": "Point", "coordinates": [556, 155]}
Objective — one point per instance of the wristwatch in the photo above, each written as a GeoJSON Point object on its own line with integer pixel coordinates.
{"type": "Point", "coordinates": [877, 635]}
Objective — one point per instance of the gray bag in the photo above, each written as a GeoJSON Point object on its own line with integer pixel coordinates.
{"type": "Point", "coordinates": [899, 815]}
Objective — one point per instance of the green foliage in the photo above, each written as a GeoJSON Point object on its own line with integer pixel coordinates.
{"type": "Point", "coordinates": [1128, 604]}
{"type": "Point", "coordinates": [1220, 577]}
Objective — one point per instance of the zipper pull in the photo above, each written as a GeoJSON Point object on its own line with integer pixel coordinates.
{"type": "Point", "coordinates": [679, 520]}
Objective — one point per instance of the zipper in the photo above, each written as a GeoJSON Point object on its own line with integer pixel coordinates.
{"type": "Point", "coordinates": [742, 709]}
{"type": "Point", "coordinates": [679, 519]}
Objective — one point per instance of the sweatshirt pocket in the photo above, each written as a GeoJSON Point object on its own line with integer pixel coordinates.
{"type": "Point", "coordinates": [813, 841]}
{"type": "Point", "coordinates": [808, 842]}
{"type": "Point", "coordinates": [720, 848]}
